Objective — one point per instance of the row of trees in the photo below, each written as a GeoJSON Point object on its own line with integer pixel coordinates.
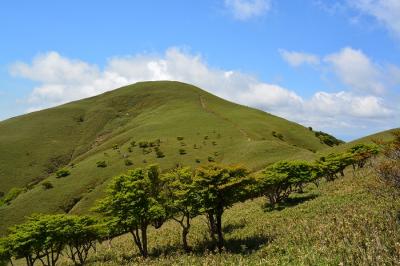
{"type": "Point", "coordinates": [45, 237]}
{"type": "Point", "coordinates": [146, 197]}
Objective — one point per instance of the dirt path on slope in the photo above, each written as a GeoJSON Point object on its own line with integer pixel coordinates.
{"type": "Point", "coordinates": [242, 131]}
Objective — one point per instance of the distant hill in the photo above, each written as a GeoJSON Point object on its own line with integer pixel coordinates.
{"type": "Point", "coordinates": [384, 135]}
{"type": "Point", "coordinates": [168, 123]}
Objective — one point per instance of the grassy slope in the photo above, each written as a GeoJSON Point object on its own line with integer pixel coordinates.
{"type": "Point", "coordinates": [83, 132]}
{"type": "Point", "coordinates": [384, 136]}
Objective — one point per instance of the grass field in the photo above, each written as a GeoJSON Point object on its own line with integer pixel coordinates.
{"type": "Point", "coordinates": [193, 127]}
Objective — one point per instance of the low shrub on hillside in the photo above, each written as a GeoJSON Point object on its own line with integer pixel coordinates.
{"type": "Point", "coordinates": [47, 185]}
{"type": "Point", "coordinates": [101, 164]}
{"type": "Point", "coordinates": [328, 139]}
{"type": "Point", "coordinates": [11, 195]}
{"type": "Point", "coordinates": [128, 162]}
{"type": "Point", "coordinates": [62, 173]}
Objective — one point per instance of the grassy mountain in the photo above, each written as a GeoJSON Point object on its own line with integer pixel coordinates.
{"type": "Point", "coordinates": [167, 123]}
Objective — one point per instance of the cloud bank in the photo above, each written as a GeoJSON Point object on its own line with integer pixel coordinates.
{"type": "Point", "coordinates": [247, 9]}
{"type": "Point", "coordinates": [63, 79]}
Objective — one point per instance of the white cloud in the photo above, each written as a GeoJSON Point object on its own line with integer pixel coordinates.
{"type": "Point", "coordinates": [356, 70]}
{"type": "Point", "coordinates": [62, 80]}
{"type": "Point", "coordinates": [386, 12]}
{"type": "Point", "coordinates": [347, 104]}
{"type": "Point", "coordinates": [246, 9]}
{"type": "Point", "coordinates": [295, 59]}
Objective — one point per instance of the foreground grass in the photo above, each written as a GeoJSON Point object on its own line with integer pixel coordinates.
{"type": "Point", "coordinates": [351, 221]}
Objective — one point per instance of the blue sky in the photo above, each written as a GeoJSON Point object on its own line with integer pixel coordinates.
{"type": "Point", "coordinates": [332, 65]}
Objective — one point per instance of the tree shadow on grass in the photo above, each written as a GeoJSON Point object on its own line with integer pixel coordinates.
{"type": "Point", "coordinates": [232, 227]}
{"type": "Point", "coordinates": [234, 245]}
{"type": "Point", "coordinates": [246, 245]}
{"type": "Point", "coordinates": [290, 202]}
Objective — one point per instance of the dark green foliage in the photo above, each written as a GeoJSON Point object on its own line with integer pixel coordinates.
{"type": "Point", "coordinates": [11, 195]}
{"type": "Point", "coordinates": [101, 164]}
{"type": "Point", "coordinates": [330, 166]}
{"type": "Point", "coordinates": [219, 188]}
{"type": "Point", "coordinates": [47, 185]}
{"type": "Point", "coordinates": [362, 153]}
{"type": "Point", "coordinates": [144, 144]}
{"type": "Point", "coordinates": [5, 253]}
{"type": "Point", "coordinates": [182, 151]}
{"type": "Point", "coordinates": [133, 143]}
{"type": "Point", "coordinates": [44, 237]}
{"type": "Point", "coordinates": [281, 179]}
{"type": "Point", "coordinates": [211, 159]}
{"type": "Point", "coordinates": [197, 160]}
{"type": "Point", "coordinates": [134, 202]}
{"type": "Point", "coordinates": [328, 139]}
{"type": "Point", "coordinates": [128, 162]}
{"type": "Point", "coordinates": [62, 173]}
{"type": "Point", "coordinates": [180, 138]}
{"type": "Point", "coordinates": [159, 153]}
{"type": "Point", "coordinates": [115, 147]}
{"type": "Point", "coordinates": [277, 135]}
{"type": "Point", "coordinates": [130, 149]}
{"type": "Point", "coordinates": [182, 199]}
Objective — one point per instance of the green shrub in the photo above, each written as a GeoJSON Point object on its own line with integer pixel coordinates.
{"type": "Point", "coordinates": [133, 143]}
{"type": "Point", "coordinates": [281, 179]}
{"type": "Point", "coordinates": [62, 173]}
{"type": "Point", "coordinates": [179, 138]}
{"type": "Point", "coordinates": [128, 162]}
{"type": "Point", "coordinates": [197, 160]}
{"type": "Point", "coordinates": [11, 195]}
{"type": "Point", "coordinates": [101, 164]}
{"type": "Point", "coordinates": [211, 159]}
{"type": "Point", "coordinates": [182, 151]}
{"type": "Point", "coordinates": [328, 139]}
{"type": "Point", "coordinates": [159, 153]}
{"type": "Point", "coordinates": [144, 144]}
{"type": "Point", "coordinates": [47, 185]}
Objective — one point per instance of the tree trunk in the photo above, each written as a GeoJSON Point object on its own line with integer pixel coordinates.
{"type": "Point", "coordinates": [219, 230]}
{"type": "Point", "coordinates": [211, 224]}
{"type": "Point", "coordinates": [185, 232]}
{"type": "Point", "coordinates": [144, 240]}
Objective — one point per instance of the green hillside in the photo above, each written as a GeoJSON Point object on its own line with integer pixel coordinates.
{"type": "Point", "coordinates": [383, 136]}
{"type": "Point", "coordinates": [181, 123]}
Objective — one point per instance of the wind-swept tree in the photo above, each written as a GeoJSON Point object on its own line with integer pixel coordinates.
{"type": "Point", "coordinates": [219, 188]}
{"type": "Point", "coordinates": [362, 153]}
{"type": "Point", "coordinates": [279, 180]}
{"type": "Point", "coordinates": [80, 235]}
{"type": "Point", "coordinates": [182, 199]}
{"type": "Point", "coordinates": [39, 238]}
{"type": "Point", "coordinates": [134, 202]}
